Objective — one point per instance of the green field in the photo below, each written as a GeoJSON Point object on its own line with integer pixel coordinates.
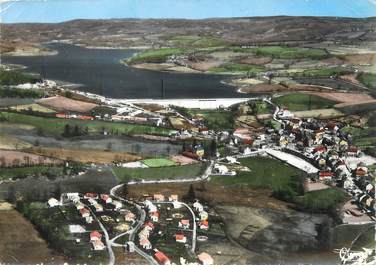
{"type": "Point", "coordinates": [299, 101]}
{"type": "Point", "coordinates": [214, 119]}
{"type": "Point", "coordinates": [197, 41]}
{"type": "Point", "coordinates": [235, 68]}
{"type": "Point", "coordinates": [8, 78]}
{"type": "Point", "coordinates": [260, 107]}
{"type": "Point", "coordinates": [55, 126]}
{"type": "Point", "coordinates": [158, 162]}
{"type": "Point", "coordinates": [20, 93]}
{"type": "Point", "coordinates": [281, 52]}
{"type": "Point", "coordinates": [171, 172]}
{"type": "Point", "coordinates": [369, 80]}
{"type": "Point", "coordinates": [265, 173]}
{"type": "Point", "coordinates": [285, 181]}
{"type": "Point", "coordinates": [22, 172]}
{"type": "Point", "coordinates": [154, 56]}
{"type": "Point", "coordinates": [321, 200]}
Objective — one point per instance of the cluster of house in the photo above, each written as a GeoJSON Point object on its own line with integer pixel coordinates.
{"type": "Point", "coordinates": [74, 116]}
{"type": "Point", "coordinates": [96, 202]}
{"type": "Point", "coordinates": [138, 116]}
{"type": "Point", "coordinates": [180, 236]}
{"type": "Point", "coordinates": [324, 145]}
{"type": "Point", "coordinates": [203, 215]}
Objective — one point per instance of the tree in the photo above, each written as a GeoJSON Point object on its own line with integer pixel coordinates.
{"type": "Point", "coordinates": [184, 147]}
{"type": "Point", "coordinates": [16, 162]}
{"type": "Point", "coordinates": [190, 196]}
{"type": "Point", "coordinates": [137, 148]}
{"type": "Point", "coordinates": [26, 160]}
{"type": "Point", "coordinates": [194, 144]}
{"type": "Point", "coordinates": [125, 189]}
{"type": "Point", "coordinates": [213, 147]}
{"type": "Point", "coordinates": [36, 142]}
{"type": "Point", "coordinates": [67, 131]}
{"type": "Point", "coordinates": [109, 146]}
{"type": "Point", "coordinates": [3, 162]}
{"type": "Point", "coordinates": [76, 131]}
{"type": "Point", "coordinates": [168, 149]}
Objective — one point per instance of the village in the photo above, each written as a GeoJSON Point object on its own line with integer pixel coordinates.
{"type": "Point", "coordinates": [163, 229]}
{"type": "Point", "coordinates": [199, 141]}
{"type": "Point", "coordinates": [318, 147]}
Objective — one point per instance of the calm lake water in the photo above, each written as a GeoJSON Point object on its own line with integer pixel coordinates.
{"type": "Point", "coordinates": [100, 72]}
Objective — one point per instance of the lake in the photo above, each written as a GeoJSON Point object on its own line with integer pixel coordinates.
{"type": "Point", "coordinates": [99, 71]}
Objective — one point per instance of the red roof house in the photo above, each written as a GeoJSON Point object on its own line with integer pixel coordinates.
{"type": "Point", "coordinates": [95, 235]}
{"type": "Point", "coordinates": [162, 258]}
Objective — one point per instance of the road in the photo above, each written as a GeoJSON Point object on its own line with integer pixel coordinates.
{"type": "Point", "coordinates": [194, 230]}
{"type": "Point", "coordinates": [106, 236]}
{"type": "Point", "coordinates": [133, 231]}
{"type": "Point", "coordinates": [204, 176]}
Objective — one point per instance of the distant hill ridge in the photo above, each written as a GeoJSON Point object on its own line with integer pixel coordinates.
{"type": "Point", "coordinates": [155, 32]}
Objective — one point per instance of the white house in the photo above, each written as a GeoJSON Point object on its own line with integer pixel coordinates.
{"type": "Point", "coordinates": [198, 206]}
{"type": "Point", "coordinates": [52, 202]}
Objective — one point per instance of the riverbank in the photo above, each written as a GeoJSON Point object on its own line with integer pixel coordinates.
{"type": "Point", "coordinates": [119, 80]}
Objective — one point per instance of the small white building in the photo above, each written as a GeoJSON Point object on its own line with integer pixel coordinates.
{"type": "Point", "coordinates": [52, 202]}
{"type": "Point", "coordinates": [76, 229]}
{"type": "Point", "coordinates": [198, 206]}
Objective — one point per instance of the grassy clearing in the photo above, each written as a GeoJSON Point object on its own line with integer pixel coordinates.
{"type": "Point", "coordinates": [369, 80]}
{"type": "Point", "coordinates": [197, 41]}
{"type": "Point", "coordinates": [281, 52]}
{"type": "Point", "coordinates": [299, 101]}
{"type": "Point", "coordinates": [158, 162]}
{"type": "Point", "coordinates": [32, 108]}
{"type": "Point", "coordinates": [55, 126]}
{"type": "Point", "coordinates": [265, 173]}
{"type": "Point", "coordinates": [22, 172]}
{"type": "Point", "coordinates": [171, 172]}
{"type": "Point", "coordinates": [155, 56]}
{"type": "Point", "coordinates": [215, 119]}
{"type": "Point", "coordinates": [286, 183]}
{"type": "Point", "coordinates": [260, 107]}
{"type": "Point", "coordinates": [320, 200]}
{"type": "Point", "coordinates": [8, 142]}
{"type": "Point", "coordinates": [235, 68]}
